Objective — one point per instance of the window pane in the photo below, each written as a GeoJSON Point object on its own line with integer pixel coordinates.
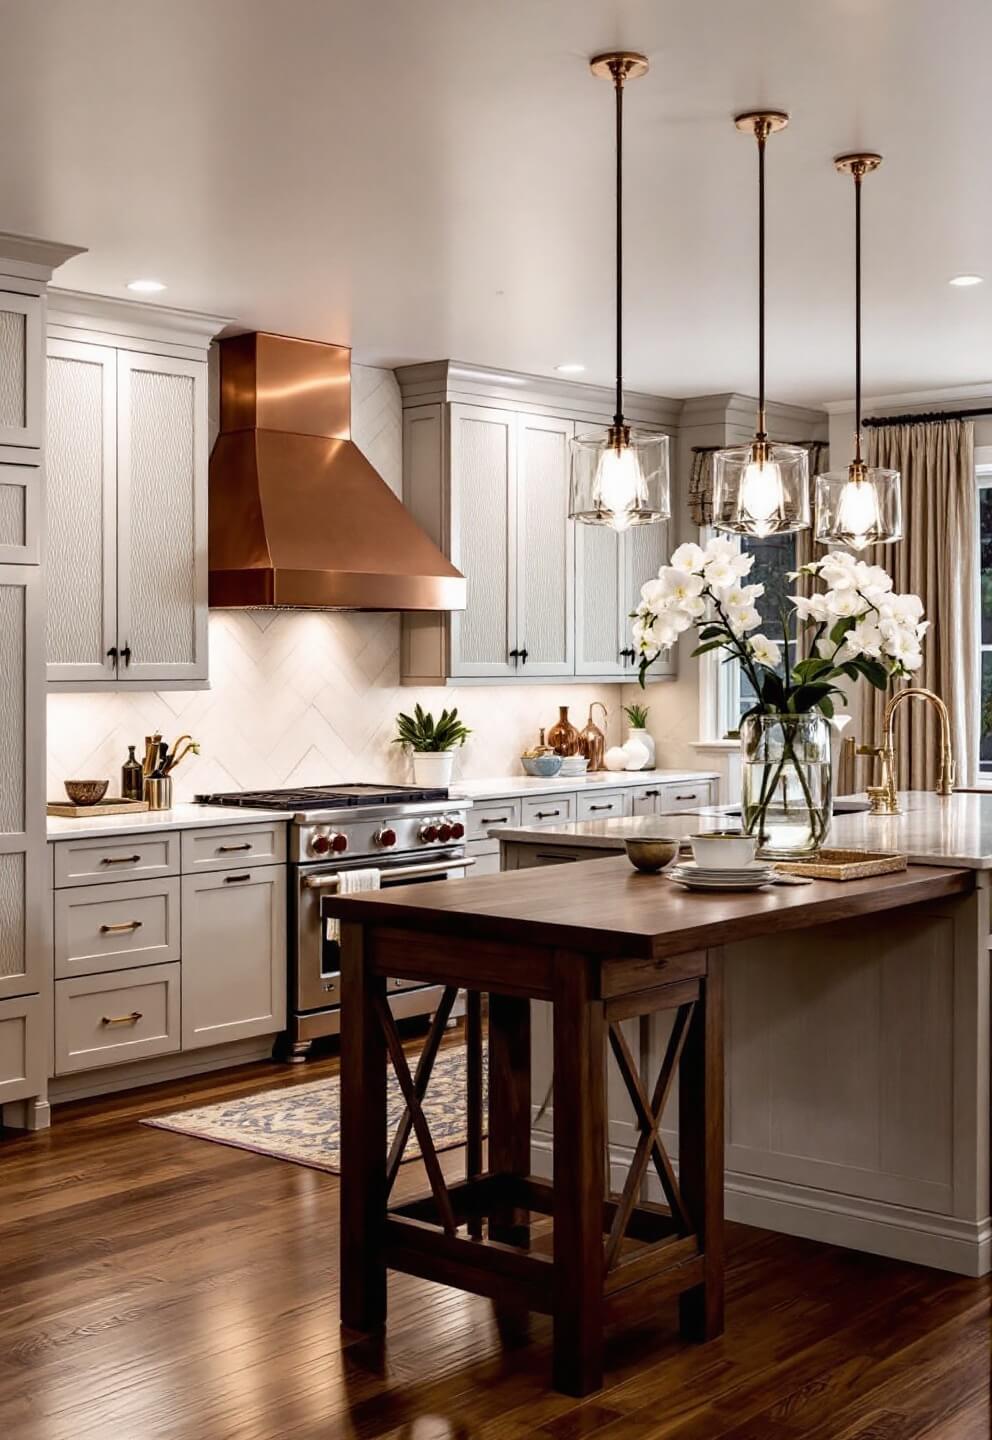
{"type": "Point", "coordinates": [985, 520]}
{"type": "Point", "coordinates": [773, 559]}
{"type": "Point", "coordinates": [985, 745]}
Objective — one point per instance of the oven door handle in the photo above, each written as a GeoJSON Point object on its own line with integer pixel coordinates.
{"type": "Point", "coordinates": [398, 872]}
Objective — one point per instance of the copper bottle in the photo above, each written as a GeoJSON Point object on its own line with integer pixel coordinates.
{"type": "Point", "coordinates": [563, 737]}
{"type": "Point", "coordinates": [592, 741]}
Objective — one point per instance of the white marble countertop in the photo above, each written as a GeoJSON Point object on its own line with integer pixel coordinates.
{"type": "Point", "coordinates": [956, 831]}
{"type": "Point", "coordinates": [181, 817]}
{"type": "Point", "coordinates": [600, 780]}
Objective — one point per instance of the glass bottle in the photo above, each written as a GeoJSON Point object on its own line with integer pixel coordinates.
{"type": "Point", "coordinates": [132, 777]}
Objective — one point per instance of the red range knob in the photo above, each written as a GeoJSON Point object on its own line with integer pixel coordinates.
{"type": "Point", "coordinates": [320, 844]}
{"type": "Point", "coordinates": [385, 838]}
{"type": "Point", "coordinates": [444, 832]}
{"type": "Point", "coordinates": [457, 830]}
{"type": "Point", "coordinates": [428, 834]}
{"type": "Point", "coordinates": [339, 843]}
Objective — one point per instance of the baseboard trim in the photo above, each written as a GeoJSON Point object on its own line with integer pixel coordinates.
{"type": "Point", "coordinates": [942, 1242]}
{"type": "Point", "coordinates": [115, 1078]}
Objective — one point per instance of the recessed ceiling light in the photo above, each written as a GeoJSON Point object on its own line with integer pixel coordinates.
{"type": "Point", "coordinates": [572, 368]}
{"type": "Point", "coordinates": [146, 287]}
{"type": "Point", "coordinates": [965, 280]}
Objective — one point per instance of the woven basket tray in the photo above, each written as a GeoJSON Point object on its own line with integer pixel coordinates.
{"type": "Point", "coordinates": [845, 864]}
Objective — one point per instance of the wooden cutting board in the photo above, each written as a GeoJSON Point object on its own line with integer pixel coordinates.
{"type": "Point", "coordinates": [106, 806]}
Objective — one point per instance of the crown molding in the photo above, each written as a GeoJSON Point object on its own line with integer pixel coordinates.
{"type": "Point", "coordinates": [132, 319]}
{"type": "Point", "coordinates": [32, 259]}
{"type": "Point", "coordinates": [950, 396]}
{"type": "Point", "coordinates": [440, 381]}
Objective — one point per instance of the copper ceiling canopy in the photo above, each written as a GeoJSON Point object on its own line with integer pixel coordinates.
{"type": "Point", "coordinates": [298, 516]}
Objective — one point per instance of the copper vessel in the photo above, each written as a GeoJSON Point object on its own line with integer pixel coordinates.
{"type": "Point", "coordinates": [592, 740]}
{"type": "Point", "coordinates": [563, 737]}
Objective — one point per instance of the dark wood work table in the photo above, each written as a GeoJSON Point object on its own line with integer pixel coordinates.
{"type": "Point", "coordinates": [602, 944]}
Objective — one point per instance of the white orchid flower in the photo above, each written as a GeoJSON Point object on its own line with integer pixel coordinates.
{"type": "Point", "coordinates": [864, 639]}
{"type": "Point", "coordinates": [812, 607]}
{"type": "Point", "coordinates": [765, 651]}
{"type": "Point", "coordinates": [743, 619]}
{"type": "Point", "coordinates": [679, 585]}
{"type": "Point", "coordinates": [720, 573]}
{"type": "Point", "coordinates": [720, 549]}
{"type": "Point", "coordinates": [842, 604]}
{"type": "Point", "coordinates": [689, 557]}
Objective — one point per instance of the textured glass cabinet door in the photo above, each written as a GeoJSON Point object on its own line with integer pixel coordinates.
{"type": "Point", "coordinates": [483, 533]}
{"type": "Point", "coordinates": [545, 547]}
{"type": "Point", "coordinates": [20, 369]}
{"type": "Point", "coordinates": [646, 550]}
{"type": "Point", "coordinates": [161, 517]}
{"type": "Point", "coordinates": [22, 783]}
{"type": "Point", "coordinates": [81, 509]}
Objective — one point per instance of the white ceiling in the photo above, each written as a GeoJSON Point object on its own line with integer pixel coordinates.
{"type": "Point", "coordinates": [432, 178]}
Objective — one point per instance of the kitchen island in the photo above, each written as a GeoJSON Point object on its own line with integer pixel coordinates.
{"type": "Point", "coordinates": [611, 954]}
{"type": "Point", "coordinates": [857, 1063]}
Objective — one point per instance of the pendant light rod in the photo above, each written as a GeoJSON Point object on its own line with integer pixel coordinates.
{"type": "Point", "coordinates": [761, 124]}
{"type": "Point", "coordinates": [857, 165]}
{"type": "Point", "coordinates": [619, 66]}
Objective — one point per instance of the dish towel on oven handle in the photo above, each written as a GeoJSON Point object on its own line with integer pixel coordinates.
{"type": "Point", "coordinates": [351, 882]}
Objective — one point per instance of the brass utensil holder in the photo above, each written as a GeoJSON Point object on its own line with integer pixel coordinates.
{"type": "Point", "coordinates": [158, 792]}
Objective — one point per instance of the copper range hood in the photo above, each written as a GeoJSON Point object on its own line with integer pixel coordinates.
{"type": "Point", "coordinates": [298, 516]}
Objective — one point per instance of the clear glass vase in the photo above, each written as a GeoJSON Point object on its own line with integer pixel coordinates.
{"type": "Point", "coordinates": [787, 784]}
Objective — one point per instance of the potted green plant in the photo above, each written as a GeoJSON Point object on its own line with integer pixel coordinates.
{"type": "Point", "coordinates": [431, 742]}
{"type": "Point", "coordinates": [637, 722]}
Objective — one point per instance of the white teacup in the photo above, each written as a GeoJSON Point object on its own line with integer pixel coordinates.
{"type": "Point", "coordinates": [724, 849]}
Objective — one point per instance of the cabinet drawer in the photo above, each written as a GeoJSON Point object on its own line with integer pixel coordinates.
{"type": "Point", "coordinates": [688, 795]}
{"type": "Point", "coordinates": [603, 805]}
{"type": "Point", "coordinates": [485, 814]}
{"type": "Point", "coordinates": [646, 799]}
{"type": "Point", "coordinates": [116, 927]}
{"type": "Point", "coordinates": [237, 845]}
{"type": "Point", "coordinates": [549, 810]}
{"type": "Point", "coordinates": [89, 862]}
{"type": "Point", "coordinates": [23, 1053]}
{"type": "Point", "coordinates": [111, 1019]}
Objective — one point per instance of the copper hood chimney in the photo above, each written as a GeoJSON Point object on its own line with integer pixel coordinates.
{"type": "Point", "coordinates": [298, 516]}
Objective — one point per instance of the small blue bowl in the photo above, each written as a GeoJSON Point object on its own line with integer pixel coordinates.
{"type": "Point", "coordinates": [543, 766]}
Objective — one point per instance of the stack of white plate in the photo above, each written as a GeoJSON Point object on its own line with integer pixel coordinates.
{"type": "Point", "coordinates": [693, 876]}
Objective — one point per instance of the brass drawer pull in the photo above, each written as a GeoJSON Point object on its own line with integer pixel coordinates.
{"type": "Point", "coordinates": [230, 849]}
{"type": "Point", "coordinates": [546, 814]}
{"type": "Point", "coordinates": [131, 1019]}
{"type": "Point", "coordinates": [235, 879]}
{"type": "Point", "coordinates": [121, 928]}
{"type": "Point", "coordinates": [120, 859]}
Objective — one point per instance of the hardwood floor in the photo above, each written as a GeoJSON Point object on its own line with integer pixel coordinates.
{"type": "Point", "coordinates": [153, 1285]}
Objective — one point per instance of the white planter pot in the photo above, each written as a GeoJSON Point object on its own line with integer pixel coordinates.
{"type": "Point", "coordinates": [433, 767]}
{"type": "Point", "coordinates": [645, 738]}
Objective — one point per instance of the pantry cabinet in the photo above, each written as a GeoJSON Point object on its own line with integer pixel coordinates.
{"type": "Point", "coordinates": [489, 481]}
{"type": "Point", "coordinates": [127, 472]}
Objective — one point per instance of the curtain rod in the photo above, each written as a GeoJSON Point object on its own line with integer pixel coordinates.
{"type": "Point", "coordinates": [925, 417]}
{"type": "Point", "coordinates": [711, 449]}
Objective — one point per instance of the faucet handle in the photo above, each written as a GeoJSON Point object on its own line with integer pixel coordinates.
{"type": "Point", "coordinates": [875, 750]}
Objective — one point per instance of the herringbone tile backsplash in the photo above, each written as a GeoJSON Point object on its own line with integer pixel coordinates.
{"type": "Point", "coordinates": [307, 697]}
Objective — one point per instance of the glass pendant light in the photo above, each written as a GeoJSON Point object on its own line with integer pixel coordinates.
{"type": "Point", "coordinates": [620, 477]}
{"type": "Point", "coordinates": [761, 489]}
{"type": "Point", "coordinates": [862, 505]}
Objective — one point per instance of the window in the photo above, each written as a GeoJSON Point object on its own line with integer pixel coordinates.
{"type": "Point", "coordinates": [729, 692]}
{"type": "Point", "coordinates": [984, 477]}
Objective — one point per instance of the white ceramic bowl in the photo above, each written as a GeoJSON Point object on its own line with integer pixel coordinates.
{"type": "Point", "coordinates": [724, 849]}
{"type": "Point", "coordinates": [574, 765]}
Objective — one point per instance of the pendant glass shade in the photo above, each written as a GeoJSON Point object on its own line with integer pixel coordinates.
{"type": "Point", "coordinates": [620, 479]}
{"type": "Point", "coordinates": [761, 489]}
{"type": "Point", "coordinates": [858, 508]}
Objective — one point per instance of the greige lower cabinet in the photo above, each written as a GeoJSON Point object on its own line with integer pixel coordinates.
{"type": "Point", "coordinates": [234, 955]}
{"type": "Point", "coordinates": [162, 942]}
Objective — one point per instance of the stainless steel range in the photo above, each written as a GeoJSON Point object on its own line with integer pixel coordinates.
{"type": "Point", "coordinates": [408, 834]}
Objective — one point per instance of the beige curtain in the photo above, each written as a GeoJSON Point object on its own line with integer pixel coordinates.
{"type": "Point", "coordinates": [935, 560]}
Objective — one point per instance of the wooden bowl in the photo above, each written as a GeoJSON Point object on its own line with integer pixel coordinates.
{"type": "Point", "coordinates": [651, 853]}
{"type": "Point", "coordinates": [86, 792]}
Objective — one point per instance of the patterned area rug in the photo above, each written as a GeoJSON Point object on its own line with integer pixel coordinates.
{"type": "Point", "coordinates": [302, 1123]}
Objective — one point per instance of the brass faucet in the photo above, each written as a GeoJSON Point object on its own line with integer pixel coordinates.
{"type": "Point", "coordinates": [884, 797]}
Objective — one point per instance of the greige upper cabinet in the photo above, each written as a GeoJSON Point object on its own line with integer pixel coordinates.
{"type": "Point", "coordinates": [127, 500]}
{"type": "Point", "coordinates": [21, 371]}
{"type": "Point", "coordinates": [486, 465]}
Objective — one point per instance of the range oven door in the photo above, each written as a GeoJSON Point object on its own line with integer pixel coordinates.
{"type": "Point", "coordinates": [317, 954]}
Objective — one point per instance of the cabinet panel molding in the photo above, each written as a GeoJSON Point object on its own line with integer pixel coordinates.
{"type": "Point", "coordinates": [21, 374]}
{"type": "Point", "coordinates": [545, 547]}
{"type": "Point", "coordinates": [483, 526]}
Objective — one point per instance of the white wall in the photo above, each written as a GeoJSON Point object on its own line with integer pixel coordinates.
{"type": "Point", "coordinates": [307, 697]}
